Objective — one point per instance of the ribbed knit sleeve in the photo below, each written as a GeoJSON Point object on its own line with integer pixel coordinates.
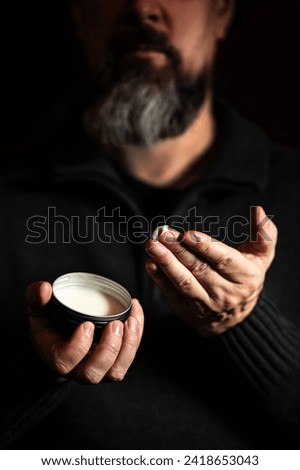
{"type": "Point", "coordinates": [265, 351]}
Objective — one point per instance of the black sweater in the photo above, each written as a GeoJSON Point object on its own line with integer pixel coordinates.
{"type": "Point", "coordinates": [240, 390]}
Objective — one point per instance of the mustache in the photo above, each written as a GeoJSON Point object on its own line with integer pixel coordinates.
{"type": "Point", "coordinates": [143, 38]}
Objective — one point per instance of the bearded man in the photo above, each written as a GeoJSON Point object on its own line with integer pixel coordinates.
{"type": "Point", "coordinates": [144, 143]}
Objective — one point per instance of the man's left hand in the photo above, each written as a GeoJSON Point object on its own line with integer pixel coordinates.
{"type": "Point", "coordinates": [208, 284]}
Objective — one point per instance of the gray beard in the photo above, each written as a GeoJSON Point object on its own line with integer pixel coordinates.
{"type": "Point", "coordinates": [144, 105]}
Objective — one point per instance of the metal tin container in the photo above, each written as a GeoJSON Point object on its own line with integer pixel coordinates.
{"type": "Point", "coordinates": [78, 297]}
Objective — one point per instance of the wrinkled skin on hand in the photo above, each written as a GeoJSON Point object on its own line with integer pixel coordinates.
{"type": "Point", "coordinates": [208, 284]}
{"type": "Point", "coordinates": [78, 358]}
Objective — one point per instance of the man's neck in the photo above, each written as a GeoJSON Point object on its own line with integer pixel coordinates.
{"type": "Point", "coordinates": [176, 162]}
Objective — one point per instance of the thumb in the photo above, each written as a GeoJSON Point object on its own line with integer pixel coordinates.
{"type": "Point", "coordinates": [38, 295]}
{"type": "Point", "coordinates": [263, 237]}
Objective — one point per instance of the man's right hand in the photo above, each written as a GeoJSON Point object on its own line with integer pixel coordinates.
{"type": "Point", "coordinates": [75, 358]}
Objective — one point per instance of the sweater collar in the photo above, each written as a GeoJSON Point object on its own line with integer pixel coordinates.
{"type": "Point", "coordinates": [241, 156]}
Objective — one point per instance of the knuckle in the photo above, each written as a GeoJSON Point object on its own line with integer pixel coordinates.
{"type": "Point", "coordinates": [112, 349]}
{"type": "Point", "coordinates": [61, 366]}
{"type": "Point", "coordinates": [131, 343]}
{"type": "Point", "coordinates": [80, 350]}
{"type": "Point", "coordinates": [205, 245]}
{"type": "Point", "coordinates": [184, 283]}
{"type": "Point", "coordinates": [178, 248]}
{"type": "Point", "coordinates": [167, 260]}
{"type": "Point", "coordinates": [64, 365]}
{"type": "Point", "coordinates": [216, 297]}
{"type": "Point", "coordinates": [229, 303]}
{"type": "Point", "coordinates": [199, 268]}
{"type": "Point", "coordinates": [108, 352]}
{"type": "Point", "coordinates": [225, 262]}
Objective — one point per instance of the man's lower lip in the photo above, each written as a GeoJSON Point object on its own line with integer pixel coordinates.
{"type": "Point", "coordinates": [156, 57]}
{"type": "Point", "coordinates": [146, 52]}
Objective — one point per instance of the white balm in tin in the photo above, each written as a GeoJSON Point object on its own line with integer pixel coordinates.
{"type": "Point", "coordinates": [88, 301]}
{"type": "Point", "coordinates": [79, 297]}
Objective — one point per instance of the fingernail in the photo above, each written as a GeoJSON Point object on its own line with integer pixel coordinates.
{"type": "Point", "coordinates": [195, 238]}
{"type": "Point", "coordinates": [133, 324]}
{"type": "Point", "coordinates": [88, 329]}
{"type": "Point", "coordinates": [158, 231]}
{"type": "Point", "coordinates": [117, 328]}
{"type": "Point", "coordinates": [170, 237]}
{"type": "Point", "coordinates": [156, 249]}
{"type": "Point", "coordinates": [151, 267]}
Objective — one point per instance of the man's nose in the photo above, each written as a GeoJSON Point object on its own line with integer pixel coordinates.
{"type": "Point", "coordinates": [145, 11]}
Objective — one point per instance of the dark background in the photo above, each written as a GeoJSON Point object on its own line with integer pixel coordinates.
{"type": "Point", "coordinates": [258, 70]}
